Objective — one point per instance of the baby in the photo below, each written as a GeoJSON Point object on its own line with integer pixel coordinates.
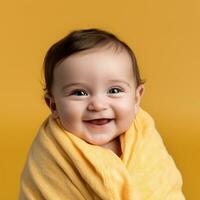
{"type": "Point", "coordinates": [93, 89]}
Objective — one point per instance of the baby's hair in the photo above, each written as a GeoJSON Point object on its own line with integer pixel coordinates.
{"type": "Point", "coordinates": [80, 40]}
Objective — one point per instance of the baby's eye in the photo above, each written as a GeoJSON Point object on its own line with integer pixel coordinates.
{"type": "Point", "coordinates": [79, 93]}
{"type": "Point", "coordinates": [115, 90]}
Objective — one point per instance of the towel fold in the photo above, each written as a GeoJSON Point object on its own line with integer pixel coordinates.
{"type": "Point", "coordinates": [61, 166]}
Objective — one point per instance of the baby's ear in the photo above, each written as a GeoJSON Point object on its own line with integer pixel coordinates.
{"type": "Point", "coordinates": [47, 99]}
{"type": "Point", "coordinates": [140, 90]}
{"type": "Point", "coordinates": [51, 104]}
{"type": "Point", "coordinates": [138, 96]}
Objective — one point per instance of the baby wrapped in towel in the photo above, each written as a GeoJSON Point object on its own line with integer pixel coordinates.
{"type": "Point", "coordinates": [98, 143]}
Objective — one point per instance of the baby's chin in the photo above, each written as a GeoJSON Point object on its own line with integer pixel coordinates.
{"type": "Point", "coordinates": [102, 141]}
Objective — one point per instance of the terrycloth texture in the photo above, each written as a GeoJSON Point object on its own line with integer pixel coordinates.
{"type": "Point", "coordinates": [62, 166]}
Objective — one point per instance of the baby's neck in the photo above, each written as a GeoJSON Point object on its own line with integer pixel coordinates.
{"type": "Point", "coordinates": [114, 146]}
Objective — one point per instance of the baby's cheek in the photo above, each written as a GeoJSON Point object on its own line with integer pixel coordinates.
{"type": "Point", "coordinates": [70, 108]}
{"type": "Point", "coordinates": [70, 122]}
{"type": "Point", "coordinates": [125, 108]}
{"type": "Point", "coordinates": [125, 113]}
{"type": "Point", "coordinates": [69, 115]}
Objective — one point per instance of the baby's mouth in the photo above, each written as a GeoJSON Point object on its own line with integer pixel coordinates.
{"type": "Point", "coordinates": [99, 121]}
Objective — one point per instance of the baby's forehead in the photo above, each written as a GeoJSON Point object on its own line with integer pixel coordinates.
{"type": "Point", "coordinates": [105, 52]}
{"type": "Point", "coordinates": [100, 63]}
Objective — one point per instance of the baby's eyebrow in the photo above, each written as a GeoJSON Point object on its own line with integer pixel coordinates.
{"type": "Point", "coordinates": [120, 81]}
{"type": "Point", "coordinates": [71, 85]}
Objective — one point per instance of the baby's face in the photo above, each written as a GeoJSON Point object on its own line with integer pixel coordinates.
{"type": "Point", "coordinates": [94, 94]}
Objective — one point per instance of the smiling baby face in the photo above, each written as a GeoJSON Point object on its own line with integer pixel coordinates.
{"type": "Point", "coordinates": [94, 94]}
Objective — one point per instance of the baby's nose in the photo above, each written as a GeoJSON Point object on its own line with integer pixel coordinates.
{"type": "Point", "coordinates": [97, 104]}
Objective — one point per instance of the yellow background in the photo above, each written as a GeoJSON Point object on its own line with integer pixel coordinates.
{"type": "Point", "coordinates": [165, 36]}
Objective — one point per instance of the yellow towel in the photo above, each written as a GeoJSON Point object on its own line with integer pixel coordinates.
{"type": "Point", "coordinates": [61, 166]}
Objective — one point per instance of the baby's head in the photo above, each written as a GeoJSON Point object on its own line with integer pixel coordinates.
{"type": "Point", "coordinates": [93, 85]}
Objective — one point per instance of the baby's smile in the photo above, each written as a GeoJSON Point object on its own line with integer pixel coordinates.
{"type": "Point", "coordinates": [99, 122]}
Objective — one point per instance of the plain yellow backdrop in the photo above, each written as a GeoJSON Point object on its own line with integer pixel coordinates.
{"type": "Point", "coordinates": [165, 36]}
